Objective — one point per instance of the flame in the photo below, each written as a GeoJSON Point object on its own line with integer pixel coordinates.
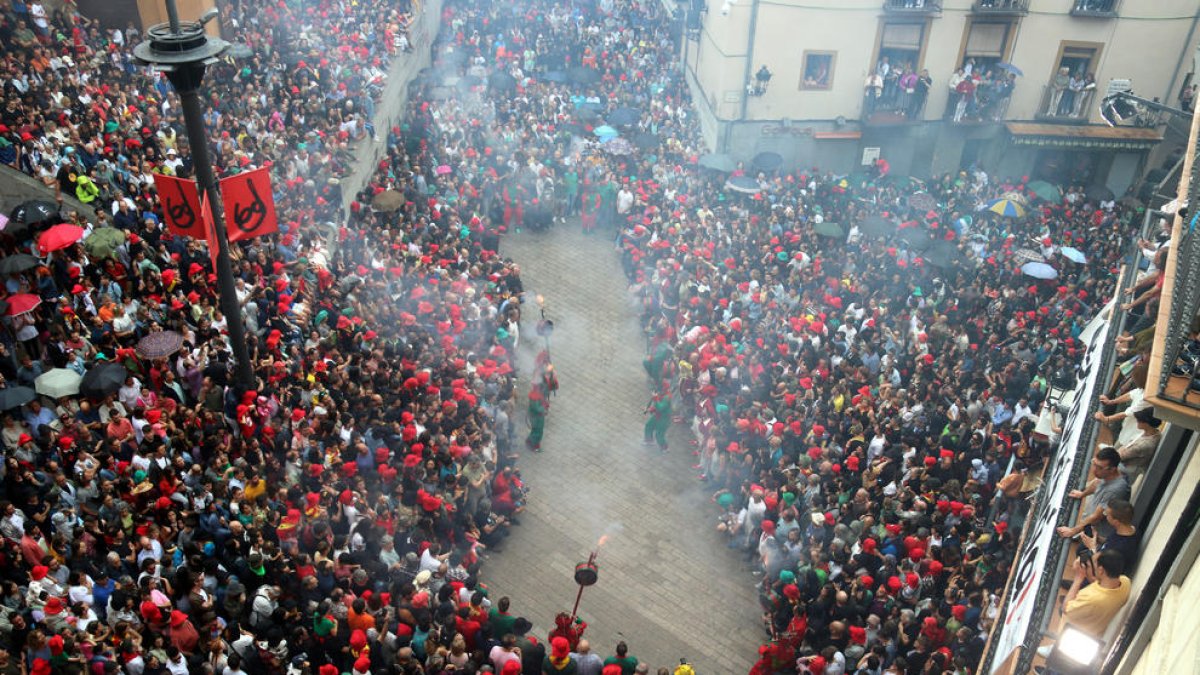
{"type": "Point", "coordinates": [541, 300]}
{"type": "Point", "coordinates": [602, 542]}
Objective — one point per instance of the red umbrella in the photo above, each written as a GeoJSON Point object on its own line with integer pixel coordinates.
{"type": "Point", "coordinates": [22, 302]}
{"type": "Point", "coordinates": [59, 237]}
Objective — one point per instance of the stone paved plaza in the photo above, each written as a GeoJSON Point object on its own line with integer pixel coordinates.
{"type": "Point", "coordinates": [668, 585]}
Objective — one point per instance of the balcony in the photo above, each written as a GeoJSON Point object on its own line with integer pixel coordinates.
{"type": "Point", "coordinates": [913, 7]}
{"type": "Point", "coordinates": [1001, 7]}
{"type": "Point", "coordinates": [1064, 105]}
{"type": "Point", "coordinates": [1103, 9]}
{"type": "Point", "coordinates": [1173, 377]}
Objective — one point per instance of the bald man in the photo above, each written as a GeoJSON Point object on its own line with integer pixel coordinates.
{"type": "Point", "coordinates": [586, 663]}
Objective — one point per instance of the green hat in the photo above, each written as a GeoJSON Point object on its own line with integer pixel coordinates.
{"type": "Point", "coordinates": [139, 476]}
{"type": "Point", "coordinates": [822, 576]}
{"type": "Point", "coordinates": [246, 72]}
{"type": "Point", "coordinates": [789, 498]}
{"type": "Point", "coordinates": [725, 500]}
{"type": "Point", "coordinates": [787, 577]}
{"type": "Point", "coordinates": [917, 292]}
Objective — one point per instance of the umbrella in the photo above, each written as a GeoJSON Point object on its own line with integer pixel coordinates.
{"type": "Point", "coordinates": [588, 114]}
{"type": "Point", "coordinates": [558, 76]}
{"type": "Point", "coordinates": [942, 254]}
{"type": "Point", "coordinates": [1027, 255]}
{"type": "Point", "coordinates": [159, 344]}
{"type": "Point", "coordinates": [1045, 191]}
{"type": "Point", "coordinates": [643, 142]}
{"type": "Point", "coordinates": [718, 161]}
{"type": "Point", "coordinates": [917, 239]}
{"type": "Point", "coordinates": [17, 263]}
{"type": "Point", "coordinates": [743, 184]}
{"type": "Point", "coordinates": [902, 182]}
{"type": "Point", "coordinates": [619, 146]}
{"type": "Point", "coordinates": [876, 226]}
{"type": "Point", "coordinates": [1007, 208]}
{"type": "Point", "coordinates": [1039, 270]}
{"type": "Point", "coordinates": [573, 128]}
{"type": "Point", "coordinates": [828, 229]}
{"type": "Point", "coordinates": [1073, 254]}
{"type": "Point", "coordinates": [22, 303]}
{"type": "Point", "coordinates": [103, 242]}
{"type": "Point", "coordinates": [767, 161]}
{"type": "Point", "coordinates": [33, 211]}
{"type": "Point", "coordinates": [58, 383]}
{"type": "Point", "coordinates": [14, 397]}
{"type": "Point", "coordinates": [1100, 192]}
{"type": "Point", "coordinates": [388, 200]}
{"type": "Point", "coordinates": [59, 237]}
{"type": "Point", "coordinates": [502, 81]}
{"type": "Point", "coordinates": [922, 201]}
{"type": "Point", "coordinates": [582, 75]}
{"type": "Point", "coordinates": [624, 117]}
{"type": "Point", "coordinates": [1010, 68]}
{"type": "Point", "coordinates": [239, 50]}
{"type": "Point", "coordinates": [1016, 197]}
{"type": "Point", "coordinates": [103, 379]}
{"type": "Point", "coordinates": [603, 132]}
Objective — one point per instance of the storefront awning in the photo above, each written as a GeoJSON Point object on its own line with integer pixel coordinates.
{"type": "Point", "coordinates": [1088, 137]}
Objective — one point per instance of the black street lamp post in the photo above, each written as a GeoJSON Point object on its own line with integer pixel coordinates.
{"type": "Point", "coordinates": [182, 51]}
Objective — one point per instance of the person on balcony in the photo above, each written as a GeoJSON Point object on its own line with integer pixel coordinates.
{"type": "Point", "coordinates": [1058, 87]}
{"type": "Point", "coordinates": [916, 101]}
{"type": "Point", "coordinates": [1086, 86]}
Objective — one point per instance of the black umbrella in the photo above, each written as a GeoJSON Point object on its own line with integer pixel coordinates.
{"type": "Point", "coordinates": [767, 161]}
{"type": "Point", "coordinates": [942, 254]}
{"type": "Point", "coordinates": [103, 379]}
{"type": "Point", "coordinates": [581, 75]}
{"type": "Point", "coordinates": [14, 397]}
{"type": "Point", "coordinates": [558, 76]}
{"type": "Point", "coordinates": [917, 239]}
{"type": "Point", "coordinates": [17, 263]}
{"type": "Point", "coordinates": [624, 117]}
{"type": "Point", "coordinates": [573, 128]}
{"type": "Point", "coordinates": [877, 227]}
{"type": "Point", "coordinates": [646, 141]}
{"type": "Point", "coordinates": [501, 81]}
{"type": "Point", "coordinates": [589, 115]}
{"type": "Point", "coordinates": [718, 161]}
{"type": "Point", "coordinates": [743, 184]}
{"type": "Point", "coordinates": [33, 211]}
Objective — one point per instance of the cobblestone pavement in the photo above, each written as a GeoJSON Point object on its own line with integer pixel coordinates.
{"type": "Point", "coordinates": [668, 586]}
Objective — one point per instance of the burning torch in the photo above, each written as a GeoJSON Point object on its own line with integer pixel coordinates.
{"type": "Point", "coordinates": [587, 574]}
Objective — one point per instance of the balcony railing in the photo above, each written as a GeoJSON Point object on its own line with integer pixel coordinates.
{"type": "Point", "coordinates": [913, 6]}
{"type": "Point", "coordinates": [894, 107]}
{"type": "Point", "coordinates": [1066, 105]}
{"type": "Point", "coordinates": [1001, 7]}
{"type": "Point", "coordinates": [1097, 8]}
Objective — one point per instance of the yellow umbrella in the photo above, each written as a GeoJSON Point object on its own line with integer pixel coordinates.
{"type": "Point", "coordinates": [1007, 207]}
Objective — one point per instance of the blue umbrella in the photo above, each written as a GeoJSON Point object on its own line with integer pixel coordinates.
{"type": "Point", "coordinates": [1010, 68]}
{"type": "Point", "coordinates": [1039, 270]}
{"type": "Point", "coordinates": [1073, 254]}
{"type": "Point", "coordinates": [605, 131]}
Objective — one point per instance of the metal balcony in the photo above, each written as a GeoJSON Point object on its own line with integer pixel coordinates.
{"type": "Point", "coordinates": [1065, 106]}
{"type": "Point", "coordinates": [913, 7]}
{"type": "Point", "coordinates": [1104, 9]}
{"type": "Point", "coordinates": [1001, 7]}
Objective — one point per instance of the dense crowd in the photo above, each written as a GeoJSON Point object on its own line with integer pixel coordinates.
{"type": "Point", "coordinates": [854, 403]}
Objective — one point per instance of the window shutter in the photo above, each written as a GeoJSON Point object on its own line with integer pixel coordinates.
{"type": "Point", "coordinates": [987, 39]}
{"type": "Point", "coordinates": [902, 36]}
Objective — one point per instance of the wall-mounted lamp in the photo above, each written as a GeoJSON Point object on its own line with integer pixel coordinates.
{"type": "Point", "coordinates": [762, 79]}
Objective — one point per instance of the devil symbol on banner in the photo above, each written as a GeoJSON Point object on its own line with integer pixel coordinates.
{"type": "Point", "coordinates": [249, 205]}
{"type": "Point", "coordinates": [181, 205]}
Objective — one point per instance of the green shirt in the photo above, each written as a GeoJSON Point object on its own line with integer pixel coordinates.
{"type": "Point", "coordinates": [501, 624]}
{"type": "Point", "coordinates": [628, 664]}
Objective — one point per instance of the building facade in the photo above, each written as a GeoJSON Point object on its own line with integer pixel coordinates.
{"type": "Point", "coordinates": [850, 79]}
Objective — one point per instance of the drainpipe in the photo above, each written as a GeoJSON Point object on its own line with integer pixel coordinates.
{"type": "Point", "coordinates": [749, 64]}
{"type": "Point", "coordinates": [1168, 97]}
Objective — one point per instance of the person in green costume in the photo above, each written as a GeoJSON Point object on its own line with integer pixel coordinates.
{"type": "Point", "coordinates": [660, 420]}
{"type": "Point", "coordinates": [536, 416]}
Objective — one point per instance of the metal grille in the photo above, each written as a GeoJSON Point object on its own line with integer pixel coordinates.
{"type": "Point", "coordinates": [1185, 292]}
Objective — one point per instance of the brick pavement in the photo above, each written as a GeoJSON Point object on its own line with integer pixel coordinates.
{"type": "Point", "coordinates": [668, 586]}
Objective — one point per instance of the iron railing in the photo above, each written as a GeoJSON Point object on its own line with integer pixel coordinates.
{"type": "Point", "coordinates": [1064, 104]}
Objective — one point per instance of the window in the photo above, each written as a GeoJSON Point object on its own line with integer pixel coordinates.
{"type": "Point", "coordinates": [986, 45]}
{"type": "Point", "coordinates": [817, 70]}
{"type": "Point", "coordinates": [901, 44]}
{"type": "Point", "coordinates": [1078, 59]}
